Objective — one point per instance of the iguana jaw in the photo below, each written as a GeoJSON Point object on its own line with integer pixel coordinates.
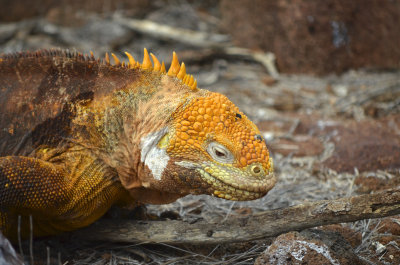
{"type": "Point", "coordinates": [226, 187]}
{"type": "Point", "coordinates": [231, 183]}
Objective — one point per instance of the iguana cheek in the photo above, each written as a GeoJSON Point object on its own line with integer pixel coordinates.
{"type": "Point", "coordinates": [155, 158]}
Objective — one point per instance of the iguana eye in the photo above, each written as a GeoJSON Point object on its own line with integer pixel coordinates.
{"type": "Point", "coordinates": [220, 153]}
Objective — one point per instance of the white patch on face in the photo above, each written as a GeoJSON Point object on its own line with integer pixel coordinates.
{"type": "Point", "coordinates": [155, 158]}
{"type": "Point", "coordinates": [186, 164]}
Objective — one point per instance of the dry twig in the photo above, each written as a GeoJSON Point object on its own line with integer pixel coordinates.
{"type": "Point", "coordinates": [164, 32]}
{"type": "Point", "coordinates": [265, 224]}
{"type": "Point", "coordinates": [214, 43]}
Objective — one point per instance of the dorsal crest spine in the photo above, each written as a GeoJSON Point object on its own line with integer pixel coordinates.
{"type": "Point", "coordinates": [176, 70]}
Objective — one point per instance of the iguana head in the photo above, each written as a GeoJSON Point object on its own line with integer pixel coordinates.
{"type": "Point", "coordinates": [220, 149]}
{"type": "Point", "coordinates": [208, 147]}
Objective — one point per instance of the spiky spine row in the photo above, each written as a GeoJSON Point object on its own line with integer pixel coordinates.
{"type": "Point", "coordinates": [176, 70]}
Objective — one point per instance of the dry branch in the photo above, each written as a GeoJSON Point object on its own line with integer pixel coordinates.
{"type": "Point", "coordinates": [265, 224]}
{"type": "Point", "coordinates": [214, 43]}
{"type": "Point", "coordinates": [164, 32]}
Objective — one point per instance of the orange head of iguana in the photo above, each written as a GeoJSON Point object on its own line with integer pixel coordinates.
{"type": "Point", "coordinates": [220, 146]}
{"type": "Point", "coordinates": [208, 147]}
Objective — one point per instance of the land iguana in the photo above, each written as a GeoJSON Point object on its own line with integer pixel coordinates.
{"type": "Point", "coordinates": [79, 134]}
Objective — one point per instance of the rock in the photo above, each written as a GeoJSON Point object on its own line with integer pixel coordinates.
{"type": "Point", "coordinates": [390, 225]}
{"type": "Point", "coordinates": [366, 145]}
{"type": "Point", "coordinates": [311, 246]}
{"type": "Point", "coordinates": [310, 37]}
{"type": "Point", "coordinates": [367, 183]}
{"type": "Point", "coordinates": [269, 80]}
{"type": "Point", "coordinates": [350, 235]}
{"type": "Point", "coordinates": [386, 248]}
{"type": "Point", "coordinates": [7, 31]}
{"type": "Point", "coordinates": [65, 12]}
{"type": "Point", "coordinates": [97, 34]}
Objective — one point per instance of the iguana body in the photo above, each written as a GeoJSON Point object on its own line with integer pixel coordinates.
{"type": "Point", "coordinates": [78, 135]}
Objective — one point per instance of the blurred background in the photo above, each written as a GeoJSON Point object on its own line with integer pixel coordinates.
{"type": "Point", "coordinates": [305, 36]}
{"type": "Point", "coordinates": [321, 79]}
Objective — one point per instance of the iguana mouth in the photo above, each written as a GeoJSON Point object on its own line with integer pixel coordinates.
{"type": "Point", "coordinates": [235, 191]}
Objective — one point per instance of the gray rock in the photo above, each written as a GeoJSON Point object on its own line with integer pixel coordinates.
{"type": "Point", "coordinates": [311, 246]}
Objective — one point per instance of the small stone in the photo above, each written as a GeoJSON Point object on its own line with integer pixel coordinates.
{"type": "Point", "coordinates": [379, 248]}
{"type": "Point", "coordinates": [340, 90]}
{"type": "Point", "coordinates": [311, 246]}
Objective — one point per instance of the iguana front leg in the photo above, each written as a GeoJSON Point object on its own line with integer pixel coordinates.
{"type": "Point", "coordinates": [57, 199]}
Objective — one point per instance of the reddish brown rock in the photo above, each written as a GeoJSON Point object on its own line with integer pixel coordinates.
{"type": "Point", "coordinates": [385, 246]}
{"type": "Point", "coordinates": [367, 146]}
{"type": "Point", "coordinates": [310, 246]}
{"type": "Point", "coordinates": [269, 80]}
{"type": "Point", "coordinates": [65, 11]}
{"type": "Point", "coordinates": [368, 184]}
{"type": "Point", "coordinates": [390, 225]}
{"type": "Point", "coordinates": [351, 236]}
{"type": "Point", "coordinates": [315, 37]}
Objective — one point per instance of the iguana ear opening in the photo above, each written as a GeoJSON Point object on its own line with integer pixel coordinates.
{"type": "Point", "coordinates": [164, 141]}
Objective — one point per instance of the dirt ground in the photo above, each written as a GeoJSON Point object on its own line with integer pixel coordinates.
{"type": "Point", "coordinates": [330, 137]}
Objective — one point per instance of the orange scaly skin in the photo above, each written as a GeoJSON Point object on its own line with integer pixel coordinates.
{"type": "Point", "coordinates": [79, 135]}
